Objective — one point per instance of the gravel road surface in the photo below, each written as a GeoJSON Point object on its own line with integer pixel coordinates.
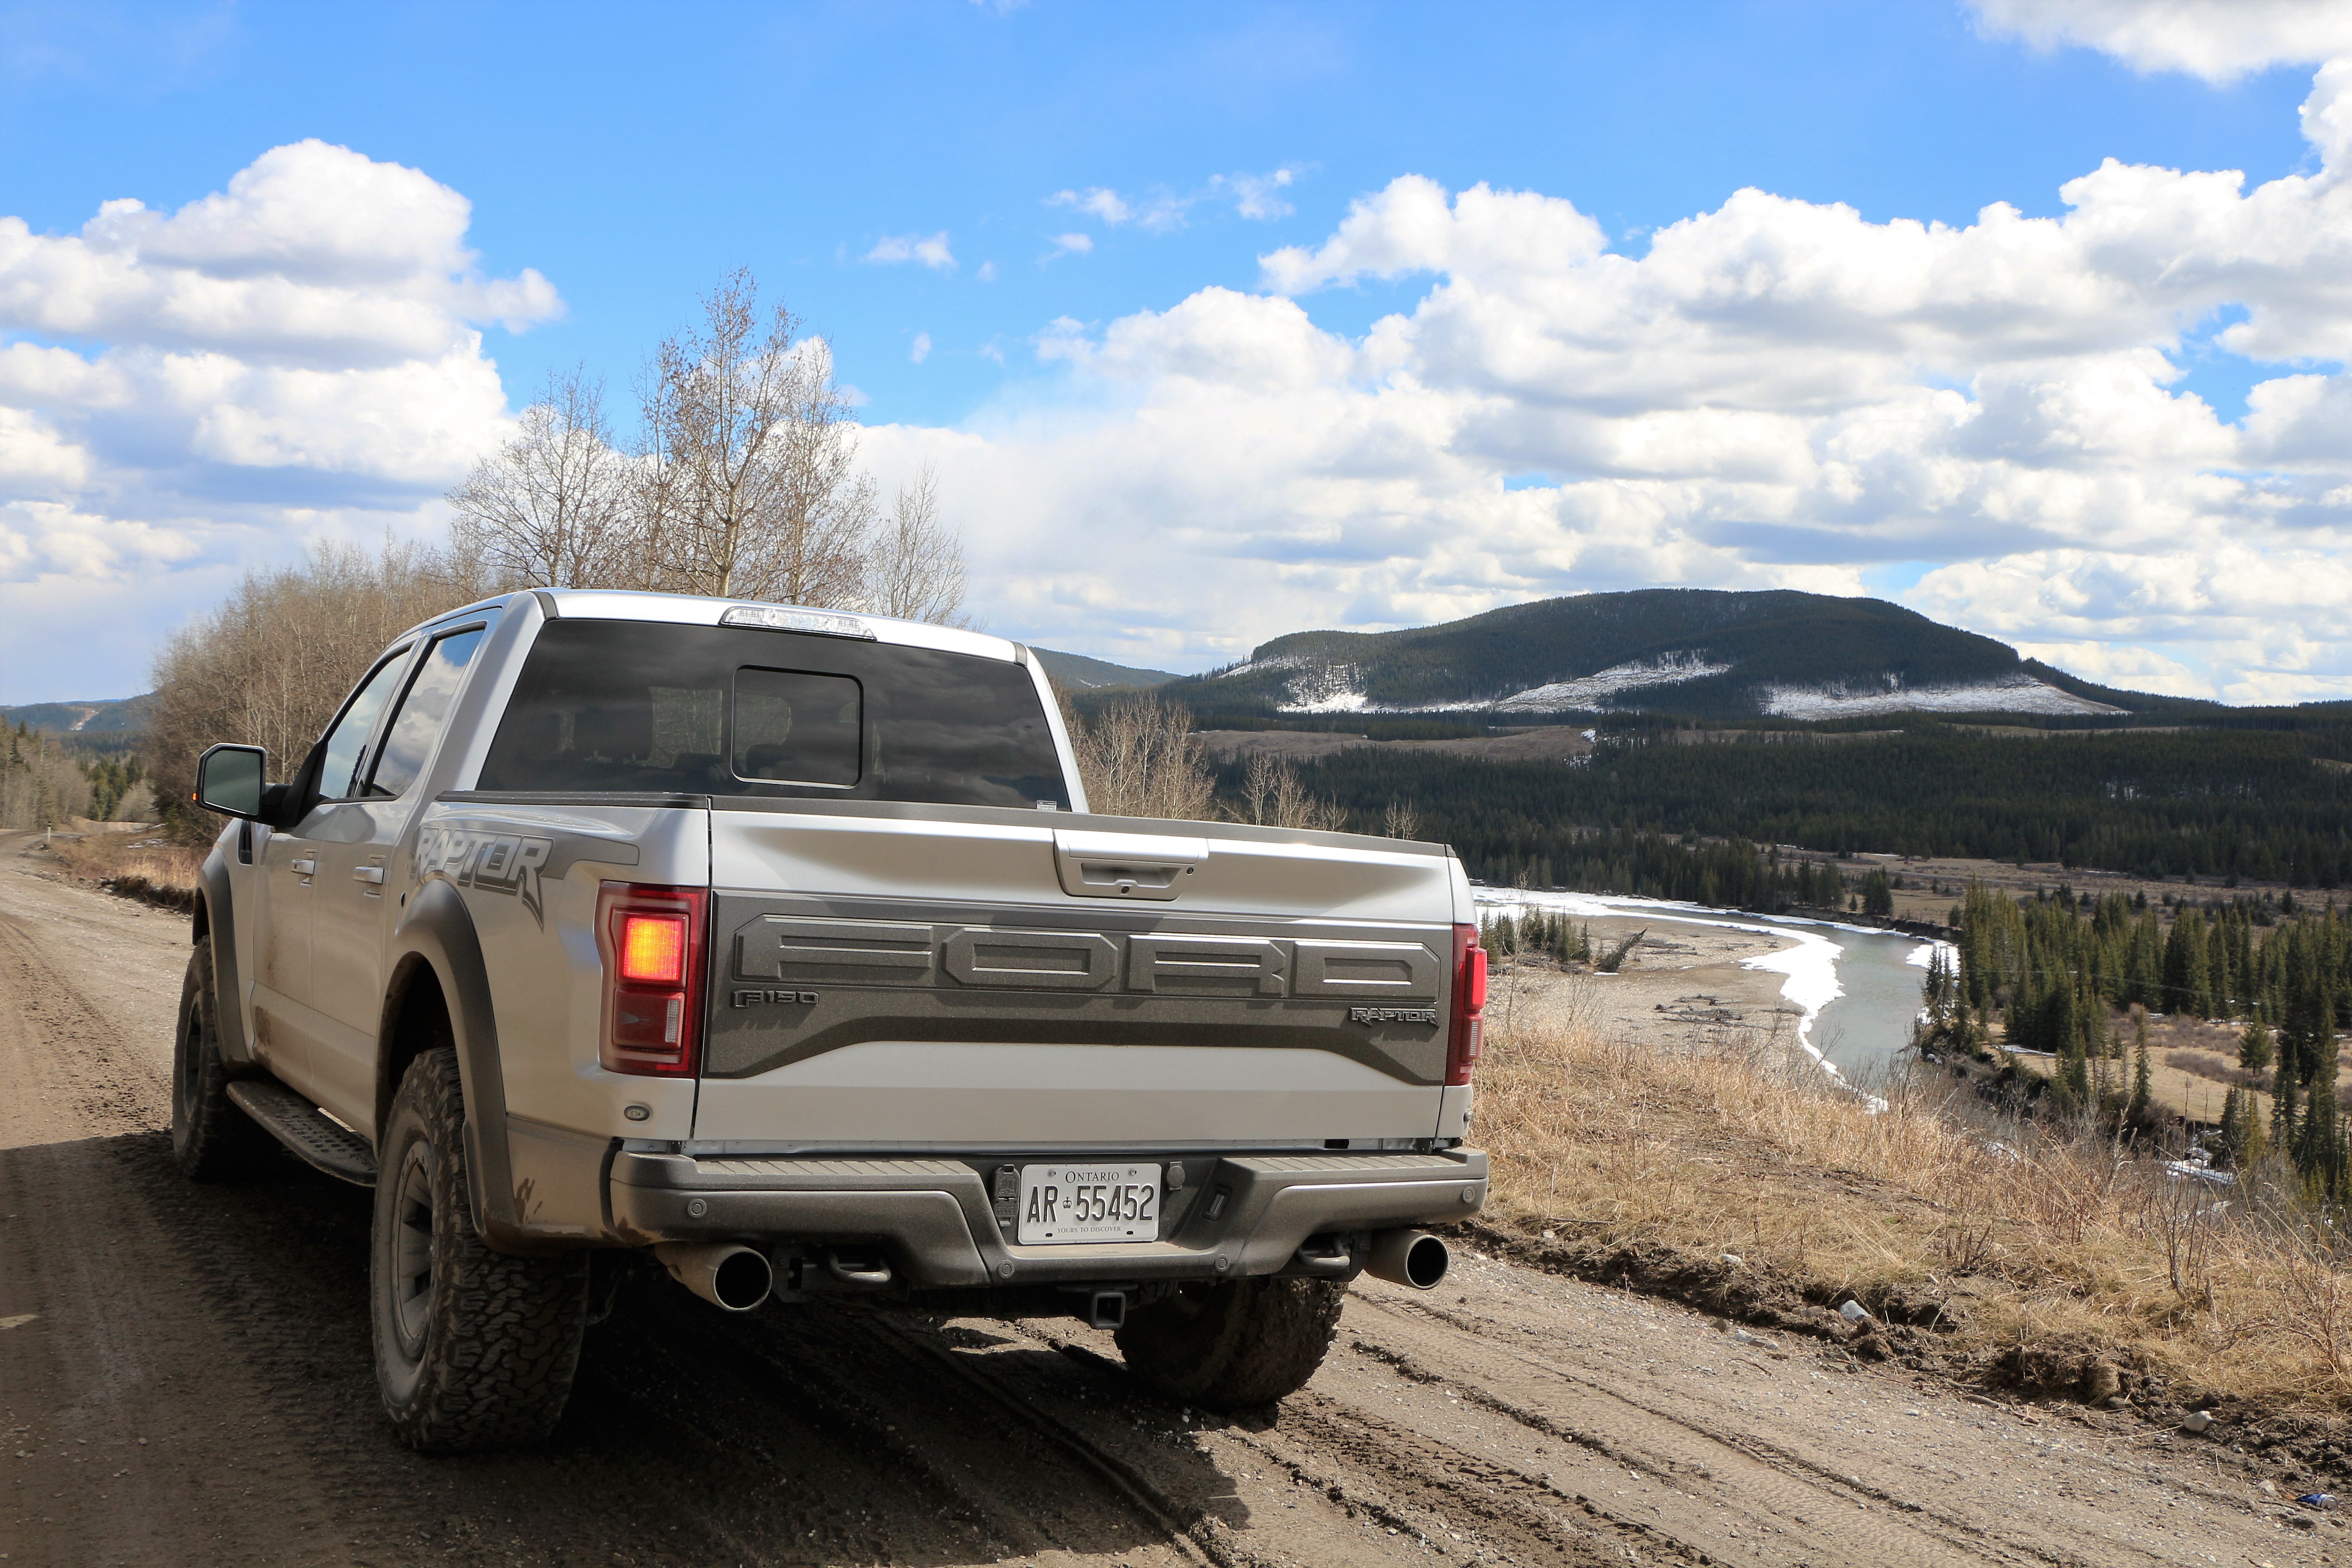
{"type": "Point", "coordinates": [185, 1378]}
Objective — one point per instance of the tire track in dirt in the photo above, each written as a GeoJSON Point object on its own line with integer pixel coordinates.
{"type": "Point", "coordinates": [111, 1408]}
{"type": "Point", "coordinates": [1771, 1478]}
{"type": "Point", "coordinates": [1427, 1493]}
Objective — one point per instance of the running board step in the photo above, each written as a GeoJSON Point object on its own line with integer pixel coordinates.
{"type": "Point", "coordinates": [306, 1130]}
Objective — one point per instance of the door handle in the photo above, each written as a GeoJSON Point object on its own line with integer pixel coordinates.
{"type": "Point", "coordinates": [304, 867]}
{"type": "Point", "coordinates": [368, 874]}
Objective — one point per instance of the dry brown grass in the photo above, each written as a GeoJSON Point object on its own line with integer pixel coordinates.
{"type": "Point", "coordinates": [141, 863]}
{"type": "Point", "coordinates": [2032, 1236]}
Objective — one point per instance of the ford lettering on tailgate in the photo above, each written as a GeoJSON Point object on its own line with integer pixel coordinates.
{"type": "Point", "coordinates": [798, 950]}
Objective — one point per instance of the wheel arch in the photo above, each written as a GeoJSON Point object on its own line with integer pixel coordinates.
{"type": "Point", "coordinates": [435, 965]}
{"type": "Point", "coordinates": [214, 916]}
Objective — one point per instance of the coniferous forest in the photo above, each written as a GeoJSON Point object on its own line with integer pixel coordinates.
{"type": "Point", "coordinates": [2263, 805]}
{"type": "Point", "coordinates": [2056, 974]}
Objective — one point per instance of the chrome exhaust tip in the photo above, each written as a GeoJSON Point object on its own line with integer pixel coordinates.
{"type": "Point", "coordinates": [724, 1273]}
{"type": "Point", "coordinates": [1412, 1258]}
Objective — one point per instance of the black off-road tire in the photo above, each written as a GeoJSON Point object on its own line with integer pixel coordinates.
{"type": "Point", "coordinates": [1235, 1346]}
{"type": "Point", "coordinates": [474, 1348]}
{"type": "Point", "coordinates": [212, 1139]}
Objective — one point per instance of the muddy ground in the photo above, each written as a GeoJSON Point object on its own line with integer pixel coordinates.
{"type": "Point", "coordinates": [185, 1378]}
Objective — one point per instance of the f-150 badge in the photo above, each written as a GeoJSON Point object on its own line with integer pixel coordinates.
{"type": "Point", "coordinates": [747, 997]}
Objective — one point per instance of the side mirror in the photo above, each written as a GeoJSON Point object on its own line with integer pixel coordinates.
{"type": "Point", "coordinates": [229, 780]}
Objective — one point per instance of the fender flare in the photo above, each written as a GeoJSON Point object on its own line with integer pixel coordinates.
{"type": "Point", "coordinates": [436, 932]}
{"type": "Point", "coordinates": [215, 916]}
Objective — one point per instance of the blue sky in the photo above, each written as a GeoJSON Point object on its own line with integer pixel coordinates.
{"type": "Point", "coordinates": [629, 157]}
{"type": "Point", "coordinates": [633, 162]}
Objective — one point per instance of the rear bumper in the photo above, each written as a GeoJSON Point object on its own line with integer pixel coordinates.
{"type": "Point", "coordinates": [934, 1217]}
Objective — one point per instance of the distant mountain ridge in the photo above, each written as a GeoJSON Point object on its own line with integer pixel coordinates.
{"type": "Point", "coordinates": [1077, 672]}
{"type": "Point", "coordinates": [102, 716]}
{"type": "Point", "coordinates": [1705, 653]}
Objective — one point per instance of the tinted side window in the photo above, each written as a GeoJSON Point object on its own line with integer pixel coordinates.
{"type": "Point", "coordinates": [348, 741]}
{"type": "Point", "coordinates": [423, 711]}
{"type": "Point", "coordinates": [636, 707]}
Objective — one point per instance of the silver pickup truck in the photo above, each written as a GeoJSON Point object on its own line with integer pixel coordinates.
{"type": "Point", "coordinates": [778, 947]}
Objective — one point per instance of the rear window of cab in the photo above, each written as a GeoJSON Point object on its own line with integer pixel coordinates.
{"type": "Point", "coordinates": [637, 707]}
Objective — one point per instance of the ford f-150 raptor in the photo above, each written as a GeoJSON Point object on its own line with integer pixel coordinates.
{"type": "Point", "coordinates": [778, 945]}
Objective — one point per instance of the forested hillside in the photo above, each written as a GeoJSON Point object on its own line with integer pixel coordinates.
{"type": "Point", "coordinates": [1684, 650]}
{"type": "Point", "coordinates": [2254, 805]}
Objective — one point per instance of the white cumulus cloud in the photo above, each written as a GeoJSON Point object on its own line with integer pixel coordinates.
{"type": "Point", "coordinates": [2218, 41]}
{"type": "Point", "coordinates": [298, 353]}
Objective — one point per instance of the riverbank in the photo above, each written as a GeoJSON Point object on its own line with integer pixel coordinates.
{"type": "Point", "coordinates": [1845, 996]}
{"type": "Point", "coordinates": [1994, 1253]}
{"type": "Point", "coordinates": [1682, 984]}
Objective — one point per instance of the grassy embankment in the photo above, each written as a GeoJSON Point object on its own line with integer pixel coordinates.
{"type": "Point", "coordinates": [1995, 1253]}
{"type": "Point", "coordinates": [135, 860]}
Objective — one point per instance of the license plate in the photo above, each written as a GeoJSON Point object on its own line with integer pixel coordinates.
{"type": "Point", "coordinates": [1088, 1203]}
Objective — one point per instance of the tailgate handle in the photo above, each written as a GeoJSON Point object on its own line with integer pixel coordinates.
{"type": "Point", "coordinates": [1126, 865]}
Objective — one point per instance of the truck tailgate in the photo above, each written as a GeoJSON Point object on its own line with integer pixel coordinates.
{"type": "Point", "coordinates": [980, 977]}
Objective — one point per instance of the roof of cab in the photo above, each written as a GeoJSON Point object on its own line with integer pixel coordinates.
{"type": "Point", "coordinates": [694, 610]}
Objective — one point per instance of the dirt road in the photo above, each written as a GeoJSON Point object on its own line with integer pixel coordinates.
{"type": "Point", "coordinates": [185, 1379]}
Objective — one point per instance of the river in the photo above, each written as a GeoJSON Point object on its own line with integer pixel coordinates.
{"type": "Point", "coordinates": [1857, 988]}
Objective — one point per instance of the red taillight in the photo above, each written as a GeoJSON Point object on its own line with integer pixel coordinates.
{"type": "Point", "coordinates": [651, 938]}
{"type": "Point", "coordinates": [652, 949]}
{"type": "Point", "coordinates": [1463, 1044]}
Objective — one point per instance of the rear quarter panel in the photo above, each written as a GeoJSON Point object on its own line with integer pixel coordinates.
{"type": "Point", "coordinates": [530, 876]}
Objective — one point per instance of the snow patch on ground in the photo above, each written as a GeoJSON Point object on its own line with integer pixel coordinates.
{"type": "Point", "coordinates": [1336, 689]}
{"type": "Point", "coordinates": [2012, 694]}
{"type": "Point", "coordinates": [1811, 983]}
{"type": "Point", "coordinates": [1596, 689]}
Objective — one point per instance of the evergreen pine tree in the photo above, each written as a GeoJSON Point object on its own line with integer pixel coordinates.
{"type": "Point", "coordinates": [2319, 1149]}
{"type": "Point", "coordinates": [2233, 1125]}
{"type": "Point", "coordinates": [2255, 1049]}
{"type": "Point", "coordinates": [2310, 1019]}
{"type": "Point", "coordinates": [2282, 1112]}
{"type": "Point", "coordinates": [2074, 1074]}
{"type": "Point", "coordinates": [2143, 1088]}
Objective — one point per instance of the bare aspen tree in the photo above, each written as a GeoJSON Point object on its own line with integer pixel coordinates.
{"type": "Point", "coordinates": [915, 569]}
{"type": "Point", "coordinates": [749, 486]}
{"type": "Point", "coordinates": [553, 507]}
{"type": "Point", "coordinates": [819, 553]}
{"type": "Point", "coordinates": [1138, 757]}
{"type": "Point", "coordinates": [1401, 820]}
{"type": "Point", "coordinates": [1275, 795]}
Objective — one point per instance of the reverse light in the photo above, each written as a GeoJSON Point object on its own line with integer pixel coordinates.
{"type": "Point", "coordinates": [651, 938]}
{"type": "Point", "coordinates": [1467, 1037]}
